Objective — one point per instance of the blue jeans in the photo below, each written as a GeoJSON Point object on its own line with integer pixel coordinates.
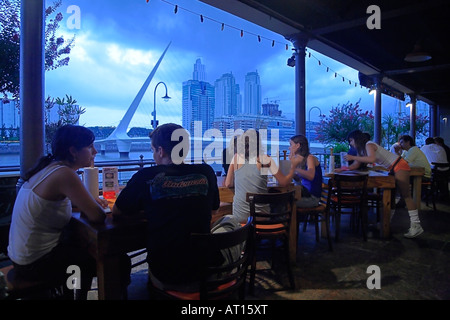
{"type": "Point", "coordinates": [308, 202]}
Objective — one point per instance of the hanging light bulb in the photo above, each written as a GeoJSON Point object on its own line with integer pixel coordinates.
{"type": "Point", "coordinates": [417, 55]}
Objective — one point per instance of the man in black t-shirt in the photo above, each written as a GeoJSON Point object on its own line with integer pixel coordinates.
{"type": "Point", "coordinates": [178, 199]}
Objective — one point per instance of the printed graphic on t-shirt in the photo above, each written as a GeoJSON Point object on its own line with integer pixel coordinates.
{"type": "Point", "coordinates": [164, 187]}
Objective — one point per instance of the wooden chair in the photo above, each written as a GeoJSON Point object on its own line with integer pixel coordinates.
{"type": "Point", "coordinates": [271, 226]}
{"type": "Point", "coordinates": [349, 191]}
{"type": "Point", "coordinates": [217, 282]}
{"type": "Point", "coordinates": [440, 174]}
{"type": "Point", "coordinates": [19, 288]}
{"type": "Point", "coordinates": [320, 213]}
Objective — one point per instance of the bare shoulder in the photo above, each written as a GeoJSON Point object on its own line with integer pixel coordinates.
{"type": "Point", "coordinates": [312, 159]}
{"type": "Point", "coordinates": [65, 174]}
{"type": "Point", "coordinates": [371, 145]}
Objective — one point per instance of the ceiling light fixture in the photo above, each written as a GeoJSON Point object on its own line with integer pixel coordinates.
{"type": "Point", "coordinates": [417, 55]}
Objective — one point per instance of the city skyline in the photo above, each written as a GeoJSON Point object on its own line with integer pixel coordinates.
{"type": "Point", "coordinates": [118, 42]}
{"type": "Point", "coordinates": [219, 106]}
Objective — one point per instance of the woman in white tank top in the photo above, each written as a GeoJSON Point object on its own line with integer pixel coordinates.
{"type": "Point", "coordinates": [43, 209]}
{"type": "Point", "coordinates": [370, 152]}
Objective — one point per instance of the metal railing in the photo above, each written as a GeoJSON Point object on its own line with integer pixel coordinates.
{"type": "Point", "coordinates": [131, 166]}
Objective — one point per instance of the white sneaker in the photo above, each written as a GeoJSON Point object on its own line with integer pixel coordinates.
{"type": "Point", "coordinates": [414, 231]}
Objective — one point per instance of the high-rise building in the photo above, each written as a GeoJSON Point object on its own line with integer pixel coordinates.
{"type": "Point", "coordinates": [199, 71]}
{"type": "Point", "coordinates": [198, 100]}
{"type": "Point", "coordinates": [228, 97]}
{"type": "Point", "coordinates": [271, 109]}
{"type": "Point", "coordinates": [252, 94]}
{"type": "Point", "coordinates": [9, 114]}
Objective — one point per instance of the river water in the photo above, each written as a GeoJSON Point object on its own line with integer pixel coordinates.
{"type": "Point", "coordinates": [11, 159]}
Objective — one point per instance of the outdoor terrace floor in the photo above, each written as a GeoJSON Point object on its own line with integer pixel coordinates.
{"type": "Point", "coordinates": [411, 269]}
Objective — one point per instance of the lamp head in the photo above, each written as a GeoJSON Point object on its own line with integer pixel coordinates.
{"type": "Point", "coordinates": [291, 61]}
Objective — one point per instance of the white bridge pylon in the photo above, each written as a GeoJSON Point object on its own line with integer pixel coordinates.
{"type": "Point", "coordinates": [119, 135]}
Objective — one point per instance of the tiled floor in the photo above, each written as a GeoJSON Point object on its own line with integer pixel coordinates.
{"type": "Point", "coordinates": [410, 269]}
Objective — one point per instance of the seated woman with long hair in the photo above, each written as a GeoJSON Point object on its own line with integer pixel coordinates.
{"type": "Point", "coordinates": [308, 173]}
{"type": "Point", "coordinates": [248, 172]}
{"type": "Point", "coordinates": [43, 209]}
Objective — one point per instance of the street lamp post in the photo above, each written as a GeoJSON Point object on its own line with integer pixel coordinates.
{"type": "Point", "coordinates": [166, 98]}
{"type": "Point", "coordinates": [309, 120]}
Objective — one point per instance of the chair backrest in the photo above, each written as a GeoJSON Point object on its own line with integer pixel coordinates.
{"type": "Point", "coordinates": [440, 170]}
{"type": "Point", "coordinates": [349, 187]}
{"type": "Point", "coordinates": [221, 281]}
{"type": "Point", "coordinates": [281, 210]}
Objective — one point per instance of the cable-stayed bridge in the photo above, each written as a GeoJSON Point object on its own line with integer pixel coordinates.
{"type": "Point", "coordinates": [119, 135]}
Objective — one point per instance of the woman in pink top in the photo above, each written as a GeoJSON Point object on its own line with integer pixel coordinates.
{"type": "Point", "coordinates": [370, 152]}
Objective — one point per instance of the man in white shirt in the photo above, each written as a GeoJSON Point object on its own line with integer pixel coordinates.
{"type": "Point", "coordinates": [434, 152]}
{"type": "Point", "coordinates": [413, 155]}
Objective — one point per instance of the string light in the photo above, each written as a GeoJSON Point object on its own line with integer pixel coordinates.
{"type": "Point", "coordinates": [202, 18]}
{"type": "Point", "coordinates": [259, 37]}
{"type": "Point", "coordinates": [310, 55]}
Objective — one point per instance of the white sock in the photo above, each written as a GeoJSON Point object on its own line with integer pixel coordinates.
{"type": "Point", "coordinates": [392, 213]}
{"type": "Point", "coordinates": [414, 216]}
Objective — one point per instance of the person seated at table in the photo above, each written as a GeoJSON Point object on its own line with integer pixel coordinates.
{"type": "Point", "coordinates": [436, 153]}
{"type": "Point", "coordinates": [413, 155]}
{"type": "Point", "coordinates": [228, 153]}
{"type": "Point", "coordinates": [371, 152]}
{"type": "Point", "coordinates": [433, 151]}
{"type": "Point", "coordinates": [248, 173]}
{"type": "Point", "coordinates": [177, 199]}
{"type": "Point", "coordinates": [308, 173]}
{"type": "Point", "coordinates": [440, 142]}
{"type": "Point", "coordinates": [43, 209]}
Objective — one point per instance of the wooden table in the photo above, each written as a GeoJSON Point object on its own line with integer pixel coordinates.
{"type": "Point", "coordinates": [226, 196]}
{"type": "Point", "coordinates": [381, 180]}
{"type": "Point", "coordinates": [106, 243]}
